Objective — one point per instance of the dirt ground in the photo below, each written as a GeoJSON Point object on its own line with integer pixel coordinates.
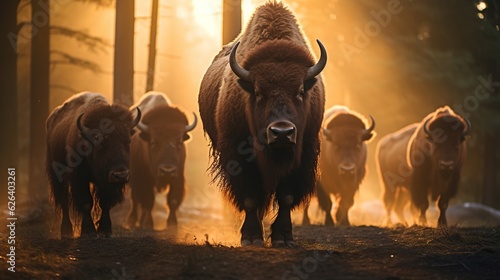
{"type": "Point", "coordinates": [205, 246]}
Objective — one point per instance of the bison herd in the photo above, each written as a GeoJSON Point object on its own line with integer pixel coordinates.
{"type": "Point", "coordinates": [261, 102]}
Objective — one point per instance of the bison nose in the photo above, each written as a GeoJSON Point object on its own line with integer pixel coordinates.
{"type": "Point", "coordinates": [446, 164]}
{"type": "Point", "coordinates": [281, 132]}
{"type": "Point", "coordinates": [119, 176]}
{"type": "Point", "coordinates": [347, 168]}
{"type": "Point", "coordinates": [167, 170]}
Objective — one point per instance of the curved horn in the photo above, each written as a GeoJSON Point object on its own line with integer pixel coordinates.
{"type": "Point", "coordinates": [193, 125]}
{"type": "Point", "coordinates": [142, 127]}
{"type": "Point", "coordinates": [426, 130]}
{"type": "Point", "coordinates": [370, 129]}
{"type": "Point", "coordinates": [316, 69]}
{"type": "Point", "coordinates": [237, 69]}
{"type": "Point", "coordinates": [137, 117]}
{"type": "Point", "coordinates": [467, 128]}
{"type": "Point", "coordinates": [85, 131]}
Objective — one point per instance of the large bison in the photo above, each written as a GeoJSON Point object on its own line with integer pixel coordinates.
{"type": "Point", "coordinates": [262, 103]}
{"type": "Point", "coordinates": [88, 142]}
{"type": "Point", "coordinates": [394, 172]}
{"type": "Point", "coordinates": [342, 161]}
{"type": "Point", "coordinates": [158, 154]}
{"type": "Point", "coordinates": [423, 159]}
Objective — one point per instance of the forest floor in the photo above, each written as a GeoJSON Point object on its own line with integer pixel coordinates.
{"type": "Point", "coordinates": [205, 246]}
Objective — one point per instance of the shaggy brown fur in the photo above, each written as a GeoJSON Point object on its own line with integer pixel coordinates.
{"type": "Point", "coordinates": [250, 173]}
{"type": "Point", "coordinates": [343, 144]}
{"type": "Point", "coordinates": [437, 160]}
{"type": "Point", "coordinates": [73, 163]}
{"type": "Point", "coordinates": [161, 147]}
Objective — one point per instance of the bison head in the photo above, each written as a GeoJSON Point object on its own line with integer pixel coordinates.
{"type": "Point", "coordinates": [107, 129]}
{"type": "Point", "coordinates": [446, 132]}
{"type": "Point", "coordinates": [165, 129]}
{"type": "Point", "coordinates": [344, 149]}
{"type": "Point", "coordinates": [279, 77]}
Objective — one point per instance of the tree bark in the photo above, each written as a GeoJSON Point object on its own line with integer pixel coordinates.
{"type": "Point", "coordinates": [123, 78]}
{"type": "Point", "coordinates": [8, 93]}
{"type": "Point", "coordinates": [152, 47]}
{"type": "Point", "coordinates": [39, 96]}
{"type": "Point", "coordinates": [231, 20]}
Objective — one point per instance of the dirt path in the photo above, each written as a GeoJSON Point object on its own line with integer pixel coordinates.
{"type": "Point", "coordinates": [207, 249]}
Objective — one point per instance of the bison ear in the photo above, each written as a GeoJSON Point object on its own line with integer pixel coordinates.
{"type": "Point", "coordinates": [246, 86]}
{"type": "Point", "coordinates": [367, 136]}
{"type": "Point", "coordinates": [186, 137]}
{"type": "Point", "coordinates": [308, 84]}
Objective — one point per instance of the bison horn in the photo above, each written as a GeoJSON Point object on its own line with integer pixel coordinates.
{"type": "Point", "coordinates": [137, 117]}
{"type": "Point", "coordinates": [467, 128]}
{"type": "Point", "coordinates": [370, 129]}
{"type": "Point", "coordinates": [193, 125]}
{"type": "Point", "coordinates": [426, 129]}
{"type": "Point", "coordinates": [237, 69]}
{"type": "Point", "coordinates": [316, 69]}
{"type": "Point", "coordinates": [142, 127]}
{"type": "Point", "coordinates": [83, 129]}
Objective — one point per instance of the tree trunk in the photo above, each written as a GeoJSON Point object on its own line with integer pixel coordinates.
{"type": "Point", "coordinates": [123, 79]}
{"type": "Point", "coordinates": [231, 20]}
{"type": "Point", "coordinates": [39, 97]}
{"type": "Point", "coordinates": [152, 47]}
{"type": "Point", "coordinates": [8, 90]}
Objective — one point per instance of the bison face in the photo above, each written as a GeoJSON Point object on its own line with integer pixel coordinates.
{"type": "Point", "coordinates": [279, 81]}
{"type": "Point", "coordinates": [345, 147]}
{"type": "Point", "coordinates": [108, 130]}
{"type": "Point", "coordinates": [166, 148]}
{"type": "Point", "coordinates": [446, 136]}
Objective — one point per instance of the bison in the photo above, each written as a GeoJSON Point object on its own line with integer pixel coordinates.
{"type": "Point", "coordinates": [88, 142]}
{"type": "Point", "coordinates": [343, 161]}
{"type": "Point", "coordinates": [157, 156]}
{"type": "Point", "coordinates": [423, 159]}
{"type": "Point", "coordinates": [261, 102]}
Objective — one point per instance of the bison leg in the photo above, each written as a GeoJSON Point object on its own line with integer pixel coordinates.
{"type": "Point", "coordinates": [281, 229]}
{"type": "Point", "coordinates": [388, 197]}
{"type": "Point", "coordinates": [402, 199]}
{"type": "Point", "coordinates": [104, 224]}
{"type": "Point", "coordinates": [345, 203]}
{"type": "Point", "coordinates": [443, 205]}
{"type": "Point", "coordinates": [132, 216]}
{"type": "Point", "coordinates": [325, 203]}
{"type": "Point", "coordinates": [83, 201]}
{"type": "Point", "coordinates": [66, 227]}
{"type": "Point", "coordinates": [251, 231]}
{"type": "Point", "coordinates": [174, 199]}
{"type": "Point", "coordinates": [305, 219]}
{"type": "Point", "coordinates": [147, 203]}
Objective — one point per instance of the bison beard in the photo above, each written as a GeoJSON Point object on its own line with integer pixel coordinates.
{"type": "Point", "coordinates": [87, 120]}
{"type": "Point", "coordinates": [263, 120]}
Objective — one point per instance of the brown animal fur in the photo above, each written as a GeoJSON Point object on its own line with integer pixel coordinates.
{"type": "Point", "coordinates": [274, 51]}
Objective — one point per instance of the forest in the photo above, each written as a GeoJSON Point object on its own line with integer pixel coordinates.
{"type": "Point", "coordinates": [397, 60]}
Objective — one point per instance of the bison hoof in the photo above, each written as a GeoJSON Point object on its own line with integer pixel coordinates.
{"type": "Point", "coordinates": [88, 235]}
{"type": "Point", "coordinates": [255, 242]}
{"type": "Point", "coordinates": [284, 244]}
